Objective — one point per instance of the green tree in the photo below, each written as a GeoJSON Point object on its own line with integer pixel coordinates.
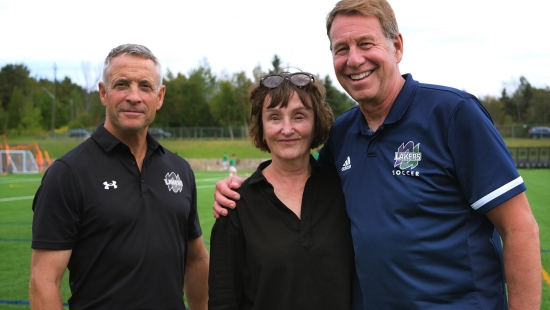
{"type": "Point", "coordinates": [540, 106]}
{"type": "Point", "coordinates": [3, 121]}
{"type": "Point", "coordinates": [509, 105]}
{"type": "Point", "coordinates": [224, 106]}
{"type": "Point", "coordinates": [12, 76]}
{"type": "Point", "coordinates": [276, 63]}
{"type": "Point", "coordinates": [77, 103]}
{"type": "Point", "coordinates": [91, 75]}
{"type": "Point", "coordinates": [31, 118]}
{"type": "Point", "coordinates": [338, 101]}
{"type": "Point", "coordinates": [97, 110]}
{"type": "Point", "coordinates": [242, 85]}
{"type": "Point", "coordinates": [495, 108]}
{"type": "Point", "coordinates": [68, 94]}
{"type": "Point", "coordinates": [14, 107]}
{"type": "Point", "coordinates": [522, 98]}
{"type": "Point", "coordinates": [197, 92]}
{"type": "Point", "coordinates": [257, 73]}
{"type": "Point", "coordinates": [173, 106]}
{"type": "Point", "coordinates": [186, 103]}
{"type": "Point", "coordinates": [518, 103]}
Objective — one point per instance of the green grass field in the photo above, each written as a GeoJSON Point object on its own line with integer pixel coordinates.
{"type": "Point", "coordinates": [16, 192]}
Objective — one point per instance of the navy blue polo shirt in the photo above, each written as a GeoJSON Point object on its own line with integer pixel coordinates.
{"type": "Point", "coordinates": [128, 230]}
{"type": "Point", "coordinates": [416, 192]}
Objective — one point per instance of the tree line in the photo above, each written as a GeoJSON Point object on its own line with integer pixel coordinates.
{"type": "Point", "coordinates": [525, 105]}
{"type": "Point", "coordinates": [32, 106]}
{"type": "Point", "coordinates": [197, 99]}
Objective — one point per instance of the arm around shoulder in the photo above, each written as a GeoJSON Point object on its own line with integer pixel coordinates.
{"type": "Point", "coordinates": [196, 275]}
{"type": "Point", "coordinates": [521, 246]}
{"type": "Point", "coordinates": [224, 194]}
{"type": "Point", "coordinates": [47, 269]}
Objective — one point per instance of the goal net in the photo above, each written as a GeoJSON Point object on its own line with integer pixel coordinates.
{"type": "Point", "coordinates": [22, 158]}
{"type": "Point", "coordinates": [18, 161]}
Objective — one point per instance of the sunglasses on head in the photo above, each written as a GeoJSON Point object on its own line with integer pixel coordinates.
{"type": "Point", "coordinates": [299, 79]}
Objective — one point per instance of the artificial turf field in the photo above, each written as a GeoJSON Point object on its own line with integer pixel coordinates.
{"type": "Point", "coordinates": [16, 193]}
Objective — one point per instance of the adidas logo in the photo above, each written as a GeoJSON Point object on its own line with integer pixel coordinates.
{"type": "Point", "coordinates": [346, 165]}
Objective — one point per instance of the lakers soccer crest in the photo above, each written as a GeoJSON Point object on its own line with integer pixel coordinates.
{"type": "Point", "coordinates": [407, 156]}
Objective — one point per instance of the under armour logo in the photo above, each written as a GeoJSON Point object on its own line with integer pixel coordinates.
{"type": "Point", "coordinates": [107, 184]}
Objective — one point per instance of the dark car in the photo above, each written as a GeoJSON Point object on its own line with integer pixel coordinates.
{"type": "Point", "coordinates": [78, 133]}
{"type": "Point", "coordinates": [539, 132]}
{"type": "Point", "coordinates": [159, 133]}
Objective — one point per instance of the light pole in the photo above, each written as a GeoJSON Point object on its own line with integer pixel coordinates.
{"type": "Point", "coordinates": [53, 107]}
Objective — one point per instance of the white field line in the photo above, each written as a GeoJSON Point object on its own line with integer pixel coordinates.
{"type": "Point", "coordinates": [14, 181]}
{"type": "Point", "coordinates": [16, 198]}
{"type": "Point", "coordinates": [206, 186]}
{"type": "Point", "coordinates": [31, 197]}
{"type": "Point", "coordinates": [208, 180]}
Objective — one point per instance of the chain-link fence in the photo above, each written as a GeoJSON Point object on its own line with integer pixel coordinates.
{"type": "Point", "coordinates": [240, 132]}
{"type": "Point", "coordinates": [523, 131]}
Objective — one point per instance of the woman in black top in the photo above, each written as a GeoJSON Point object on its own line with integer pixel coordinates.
{"type": "Point", "coordinates": [287, 244]}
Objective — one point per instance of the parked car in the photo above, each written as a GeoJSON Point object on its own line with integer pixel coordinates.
{"type": "Point", "coordinates": [78, 133]}
{"type": "Point", "coordinates": [159, 133]}
{"type": "Point", "coordinates": [539, 132]}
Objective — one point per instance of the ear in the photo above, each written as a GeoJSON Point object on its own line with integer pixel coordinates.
{"type": "Point", "coordinates": [398, 47]}
{"type": "Point", "coordinates": [102, 93]}
{"type": "Point", "coordinates": [160, 96]}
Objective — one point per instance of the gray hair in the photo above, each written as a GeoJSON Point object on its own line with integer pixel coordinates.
{"type": "Point", "coordinates": [135, 50]}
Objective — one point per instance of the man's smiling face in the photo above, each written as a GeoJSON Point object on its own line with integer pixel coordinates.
{"type": "Point", "coordinates": [365, 61]}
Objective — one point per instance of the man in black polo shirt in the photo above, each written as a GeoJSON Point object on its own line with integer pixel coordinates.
{"type": "Point", "coordinates": [120, 211]}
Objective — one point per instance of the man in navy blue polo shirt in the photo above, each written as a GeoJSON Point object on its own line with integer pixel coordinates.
{"type": "Point", "coordinates": [120, 211]}
{"type": "Point", "coordinates": [428, 181]}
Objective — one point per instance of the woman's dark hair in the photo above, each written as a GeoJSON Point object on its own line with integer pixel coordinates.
{"type": "Point", "coordinates": [311, 95]}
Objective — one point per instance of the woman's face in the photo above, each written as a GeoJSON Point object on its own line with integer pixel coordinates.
{"type": "Point", "coordinates": [288, 131]}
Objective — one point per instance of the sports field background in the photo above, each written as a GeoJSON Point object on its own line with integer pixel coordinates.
{"type": "Point", "coordinates": [17, 191]}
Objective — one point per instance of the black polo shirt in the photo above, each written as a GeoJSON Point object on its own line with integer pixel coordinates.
{"type": "Point", "coordinates": [262, 256]}
{"type": "Point", "coordinates": [127, 229]}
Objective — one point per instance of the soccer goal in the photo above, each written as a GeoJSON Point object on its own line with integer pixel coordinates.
{"type": "Point", "coordinates": [18, 161]}
{"type": "Point", "coordinates": [22, 158]}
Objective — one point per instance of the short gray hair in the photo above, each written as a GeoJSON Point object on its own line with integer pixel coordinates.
{"type": "Point", "coordinates": [135, 50]}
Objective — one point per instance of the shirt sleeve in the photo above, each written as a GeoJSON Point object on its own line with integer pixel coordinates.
{"type": "Point", "coordinates": [57, 208]}
{"type": "Point", "coordinates": [326, 155]}
{"type": "Point", "coordinates": [193, 223]}
{"type": "Point", "coordinates": [226, 255]}
{"type": "Point", "coordinates": [486, 172]}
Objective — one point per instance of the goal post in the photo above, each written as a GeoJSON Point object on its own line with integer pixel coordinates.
{"type": "Point", "coordinates": [21, 158]}
{"type": "Point", "coordinates": [18, 161]}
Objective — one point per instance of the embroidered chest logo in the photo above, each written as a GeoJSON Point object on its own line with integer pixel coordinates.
{"type": "Point", "coordinates": [347, 164]}
{"type": "Point", "coordinates": [407, 156]}
{"type": "Point", "coordinates": [109, 185]}
{"type": "Point", "coordinates": [173, 182]}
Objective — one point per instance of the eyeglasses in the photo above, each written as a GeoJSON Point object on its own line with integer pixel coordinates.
{"type": "Point", "coordinates": [299, 79]}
